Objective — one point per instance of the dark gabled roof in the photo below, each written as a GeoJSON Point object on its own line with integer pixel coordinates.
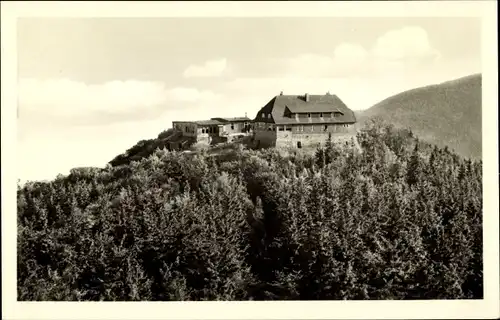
{"type": "Point", "coordinates": [236, 119]}
{"type": "Point", "coordinates": [297, 104]}
{"type": "Point", "coordinates": [318, 108]}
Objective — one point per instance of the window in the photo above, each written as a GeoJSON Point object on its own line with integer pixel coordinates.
{"type": "Point", "coordinates": [263, 115]}
{"type": "Point", "coordinates": [325, 128]}
{"type": "Point", "coordinates": [232, 126]}
{"type": "Point", "coordinates": [321, 115]}
{"type": "Point", "coordinates": [280, 128]}
{"type": "Point", "coordinates": [299, 144]}
{"type": "Point", "coordinates": [312, 128]}
{"type": "Point", "coordinates": [269, 116]}
{"type": "Point", "coordinates": [308, 115]}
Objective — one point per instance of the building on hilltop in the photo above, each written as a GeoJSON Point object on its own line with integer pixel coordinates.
{"type": "Point", "coordinates": [215, 130]}
{"type": "Point", "coordinates": [299, 121]}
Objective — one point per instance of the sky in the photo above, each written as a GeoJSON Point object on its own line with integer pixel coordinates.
{"type": "Point", "coordinates": [90, 88]}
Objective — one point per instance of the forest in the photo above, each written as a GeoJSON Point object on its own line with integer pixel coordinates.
{"type": "Point", "coordinates": [390, 217]}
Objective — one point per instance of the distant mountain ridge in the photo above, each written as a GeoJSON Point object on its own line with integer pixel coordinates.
{"type": "Point", "coordinates": [445, 114]}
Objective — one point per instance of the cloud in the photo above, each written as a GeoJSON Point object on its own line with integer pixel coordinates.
{"type": "Point", "coordinates": [191, 95]}
{"type": "Point", "coordinates": [346, 58]}
{"type": "Point", "coordinates": [406, 44]}
{"type": "Point", "coordinates": [350, 53]}
{"type": "Point", "coordinates": [211, 68]}
{"type": "Point", "coordinates": [78, 102]}
{"type": "Point", "coordinates": [396, 50]}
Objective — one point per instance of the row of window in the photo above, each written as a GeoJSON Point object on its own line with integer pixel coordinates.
{"type": "Point", "coordinates": [269, 127]}
{"type": "Point", "coordinates": [311, 128]}
{"type": "Point", "coordinates": [296, 115]}
{"type": "Point", "coordinates": [213, 129]}
{"type": "Point", "coordinates": [208, 130]}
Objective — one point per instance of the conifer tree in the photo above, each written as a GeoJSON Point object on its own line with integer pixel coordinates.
{"type": "Point", "coordinates": [329, 149]}
{"type": "Point", "coordinates": [414, 167]}
{"type": "Point", "coordinates": [320, 157]}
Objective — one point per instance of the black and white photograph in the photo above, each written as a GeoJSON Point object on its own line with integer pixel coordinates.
{"type": "Point", "coordinates": [252, 158]}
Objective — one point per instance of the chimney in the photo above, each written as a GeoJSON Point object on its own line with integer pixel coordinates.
{"type": "Point", "coordinates": [307, 97]}
{"type": "Point", "coordinates": [281, 93]}
{"type": "Point", "coordinates": [245, 114]}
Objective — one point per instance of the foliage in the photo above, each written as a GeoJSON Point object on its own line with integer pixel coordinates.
{"type": "Point", "coordinates": [395, 219]}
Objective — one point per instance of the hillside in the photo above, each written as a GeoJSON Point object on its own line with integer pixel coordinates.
{"type": "Point", "coordinates": [401, 219]}
{"type": "Point", "coordinates": [446, 114]}
{"type": "Point", "coordinates": [145, 148]}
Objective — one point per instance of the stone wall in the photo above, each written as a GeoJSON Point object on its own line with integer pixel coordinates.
{"type": "Point", "coordinates": [294, 139]}
{"type": "Point", "coordinates": [210, 139]}
{"type": "Point", "coordinates": [302, 140]}
{"type": "Point", "coordinates": [203, 139]}
{"type": "Point", "coordinates": [238, 136]}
